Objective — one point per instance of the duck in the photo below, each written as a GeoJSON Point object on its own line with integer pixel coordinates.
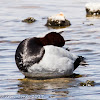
{"type": "Point", "coordinates": [46, 57]}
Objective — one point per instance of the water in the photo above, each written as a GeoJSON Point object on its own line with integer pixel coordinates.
{"type": "Point", "coordinates": [84, 33]}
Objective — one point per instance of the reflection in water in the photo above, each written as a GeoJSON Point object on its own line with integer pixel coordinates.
{"type": "Point", "coordinates": [56, 87]}
{"type": "Point", "coordinates": [5, 41]}
{"type": "Point", "coordinates": [26, 7]}
{"type": "Point", "coordinates": [57, 27]}
{"type": "Point", "coordinates": [52, 87]}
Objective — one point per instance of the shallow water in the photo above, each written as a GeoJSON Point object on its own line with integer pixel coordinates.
{"type": "Point", "coordinates": [84, 34]}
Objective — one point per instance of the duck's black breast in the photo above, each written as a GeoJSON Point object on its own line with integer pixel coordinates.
{"type": "Point", "coordinates": [29, 52]}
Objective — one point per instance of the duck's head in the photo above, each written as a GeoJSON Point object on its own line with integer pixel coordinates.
{"type": "Point", "coordinates": [52, 38]}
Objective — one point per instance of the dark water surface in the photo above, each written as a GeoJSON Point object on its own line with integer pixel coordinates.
{"type": "Point", "coordinates": [84, 33]}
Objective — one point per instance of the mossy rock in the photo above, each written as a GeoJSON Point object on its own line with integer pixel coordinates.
{"type": "Point", "coordinates": [58, 23]}
{"type": "Point", "coordinates": [87, 83]}
{"type": "Point", "coordinates": [29, 20]}
{"type": "Point", "coordinates": [92, 9]}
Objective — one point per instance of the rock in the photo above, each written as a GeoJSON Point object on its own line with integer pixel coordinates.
{"type": "Point", "coordinates": [87, 83]}
{"type": "Point", "coordinates": [29, 20]}
{"type": "Point", "coordinates": [58, 20]}
{"type": "Point", "coordinates": [92, 9]}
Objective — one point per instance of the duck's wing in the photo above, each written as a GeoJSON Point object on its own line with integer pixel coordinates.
{"type": "Point", "coordinates": [61, 52]}
{"type": "Point", "coordinates": [28, 53]}
{"type": "Point", "coordinates": [55, 60]}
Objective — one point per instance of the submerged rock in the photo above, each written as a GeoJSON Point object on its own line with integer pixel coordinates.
{"type": "Point", "coordinates": [87, 83]}
{"type": "Point", "coordinates": [92, 9]}
{"type": "Point", "coordinates": [29, 20]}
{"type": "Point", "coordinates": [58, 20]}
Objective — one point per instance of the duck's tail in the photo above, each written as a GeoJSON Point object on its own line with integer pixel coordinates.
{"type": "Point", "coordinates": [80, 61]}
